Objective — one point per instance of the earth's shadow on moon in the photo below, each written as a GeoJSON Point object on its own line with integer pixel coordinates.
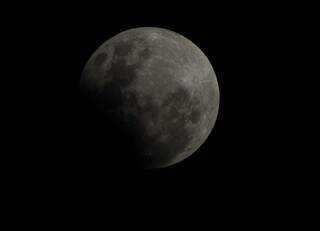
{"type": "Point", "coordinates": [105, 142]}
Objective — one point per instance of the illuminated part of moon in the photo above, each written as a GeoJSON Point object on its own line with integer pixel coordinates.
{"type": "Point", "coordinates": [161, 86]}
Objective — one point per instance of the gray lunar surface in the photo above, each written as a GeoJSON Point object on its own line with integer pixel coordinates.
{"type": "Point", "coordinates": [160, 86]}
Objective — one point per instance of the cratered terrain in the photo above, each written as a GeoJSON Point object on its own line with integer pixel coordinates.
{"type": "Point", "coordinates": [160, 87]}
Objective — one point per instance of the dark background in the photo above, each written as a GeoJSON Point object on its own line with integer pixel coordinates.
{"type": "Point", "coordinates": [60, 151]}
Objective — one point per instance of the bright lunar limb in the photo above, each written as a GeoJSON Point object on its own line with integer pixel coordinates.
{"type": "Point", "coordinates": [160, 86]}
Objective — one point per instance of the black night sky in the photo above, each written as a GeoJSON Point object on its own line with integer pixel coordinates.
{"type": "Point", "coordinates": [63, 150]}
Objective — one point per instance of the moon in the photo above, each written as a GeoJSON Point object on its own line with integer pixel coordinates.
{"type": "Point", "coordinates": [160, 86]}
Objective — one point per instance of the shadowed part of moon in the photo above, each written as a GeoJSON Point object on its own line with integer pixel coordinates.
{"type": "Point", "coordinates": [159, 87]}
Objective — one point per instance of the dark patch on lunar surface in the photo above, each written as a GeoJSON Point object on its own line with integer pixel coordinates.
{"type": "Point", "coordinates": [195, 116]}
{"type": "Point", "coordinates": [141, 90]}
{"type": "Point", "coordinates": [100, 58]}
{"type": "Point", "coordinates": [123, 49]}
{"type": "Point", "coordinates": [123, 72]}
